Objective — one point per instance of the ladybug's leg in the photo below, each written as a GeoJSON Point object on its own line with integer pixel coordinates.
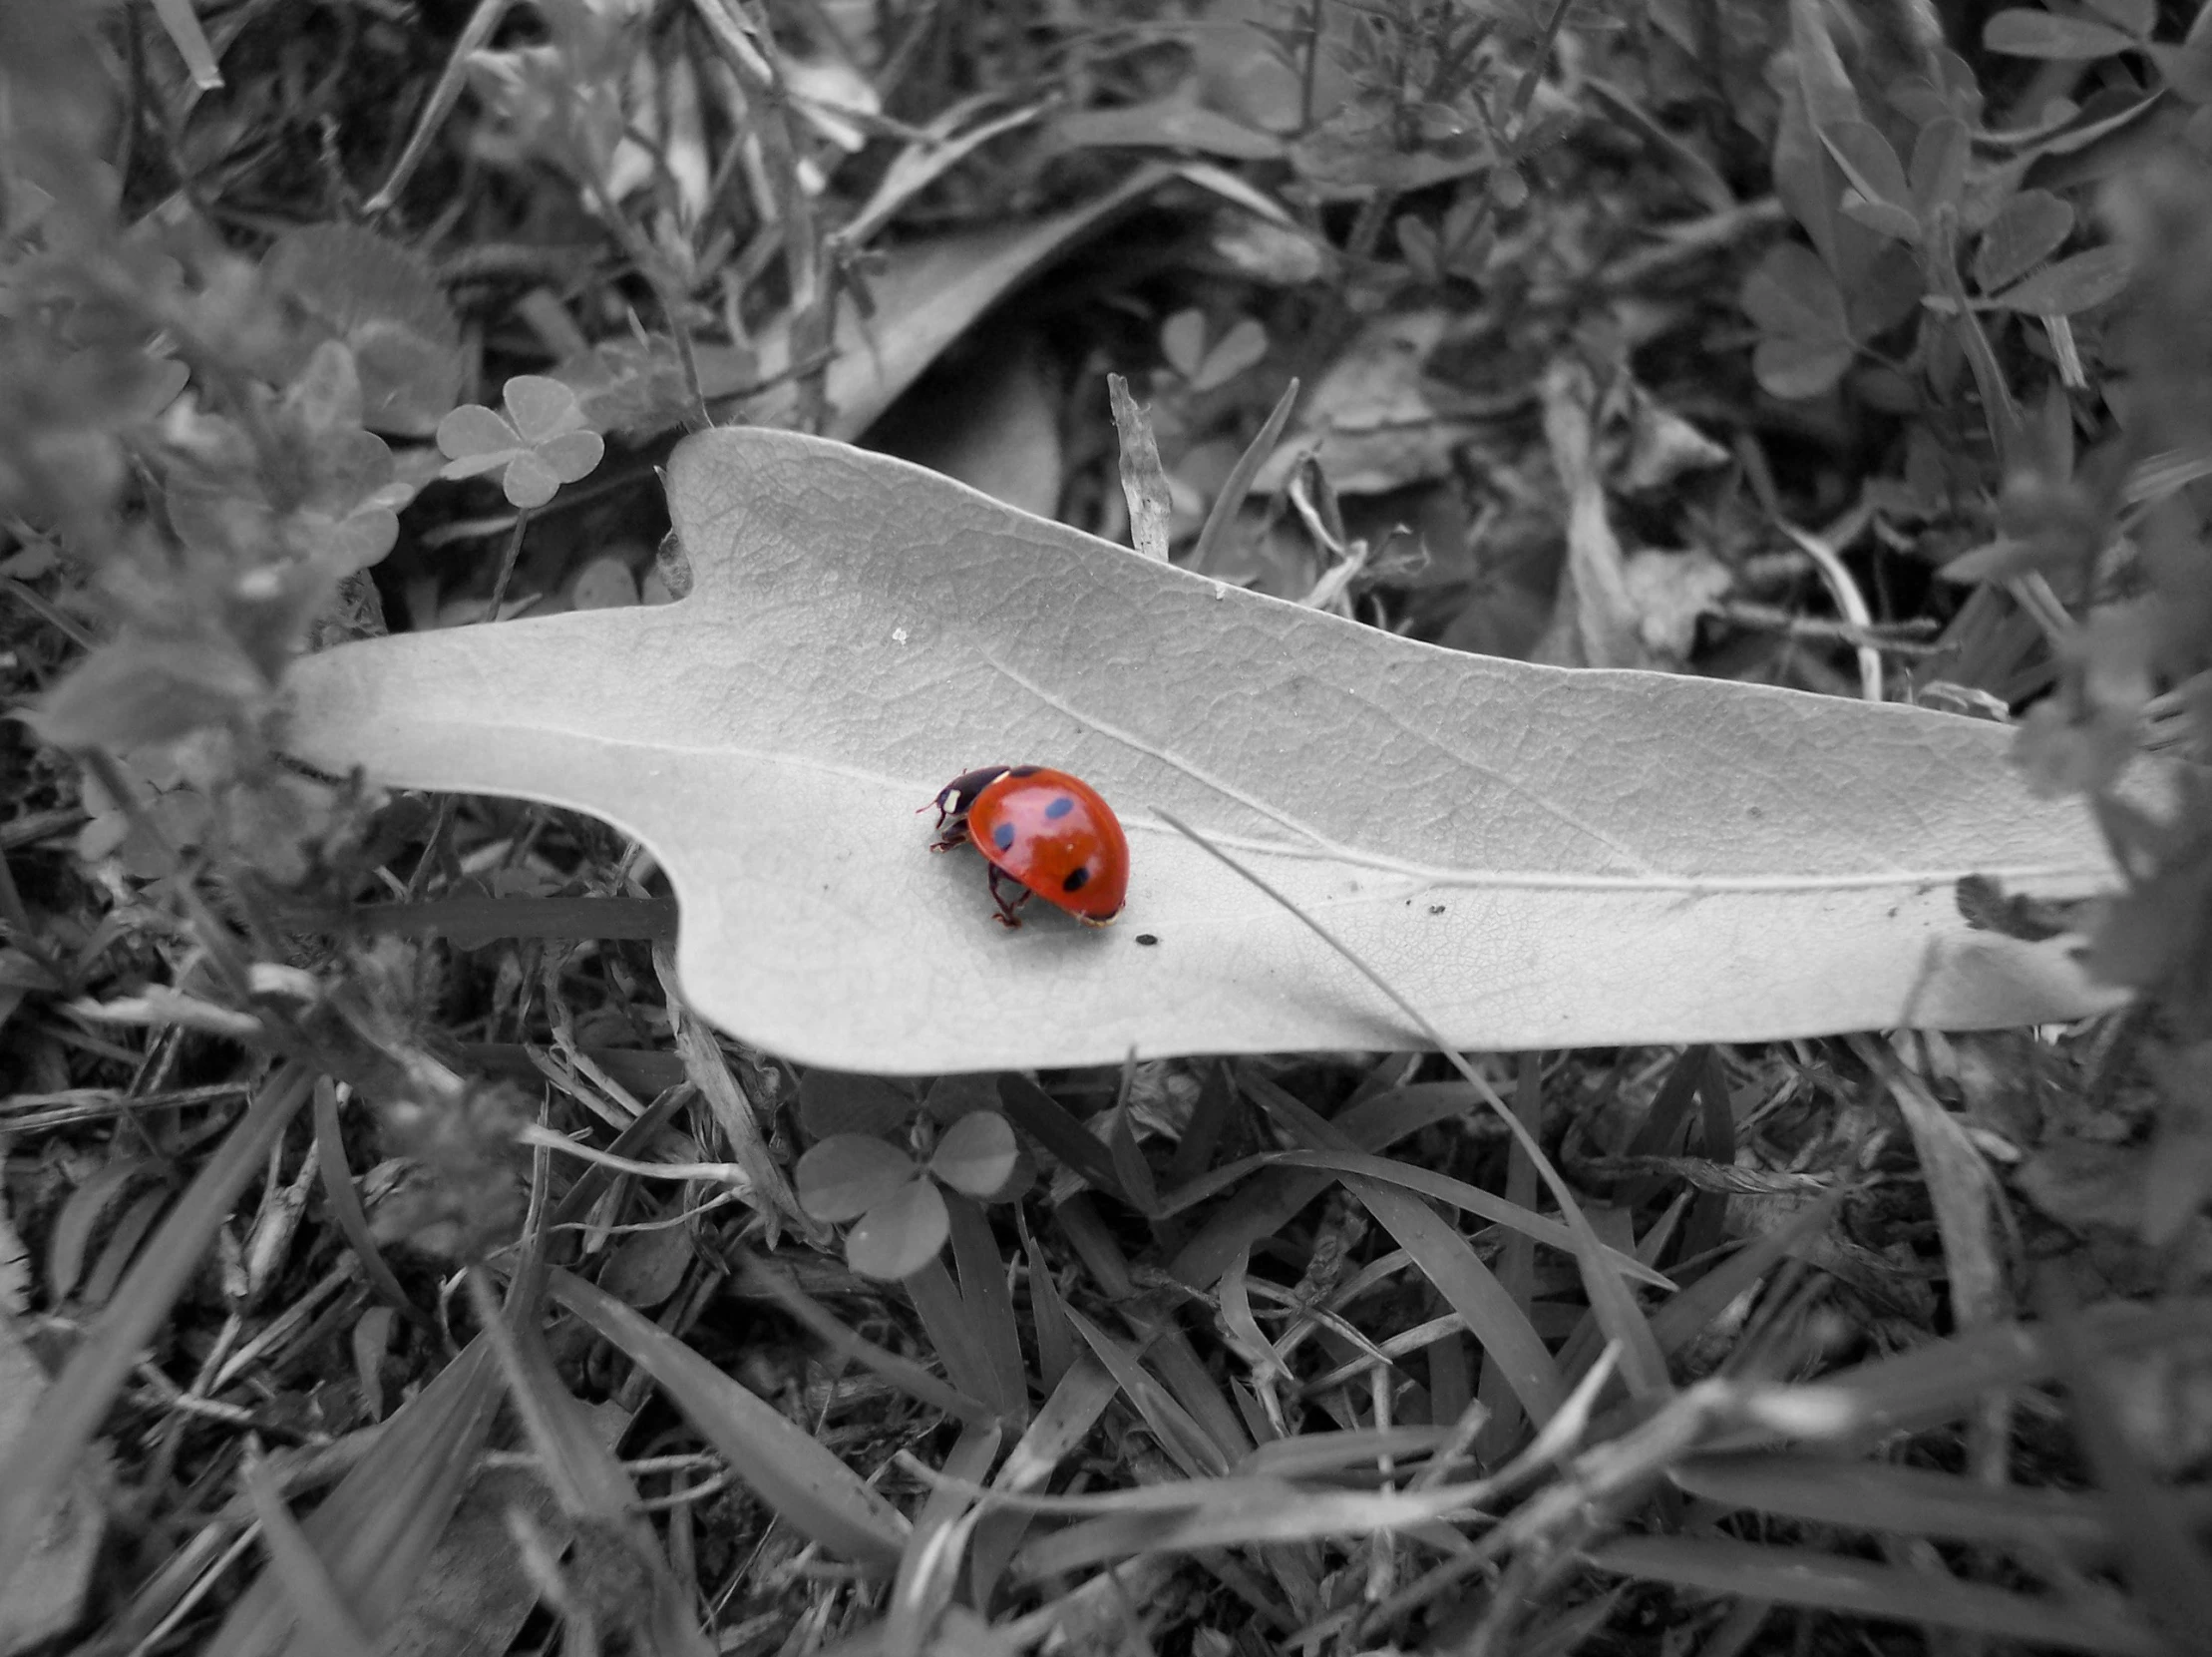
{"type": "Point", "coordinates": [1007, 915]}
{"type": "Point", "coordinates": [954, 835]}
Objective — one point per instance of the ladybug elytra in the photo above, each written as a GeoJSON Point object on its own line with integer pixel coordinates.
{"type": "Point", "coordinates": [1044, 833]}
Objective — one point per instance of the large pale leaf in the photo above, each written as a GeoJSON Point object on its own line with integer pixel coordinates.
{"type": "Point", "coordinates": [1537, 855]}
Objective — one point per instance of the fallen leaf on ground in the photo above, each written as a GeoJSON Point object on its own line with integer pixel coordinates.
{"type": "Point", "coordinates": [1595, 623]}
{"type": "Point", "coordinates": [1538, 857]}
{"type": "Point", "coordinates": [1370, 420]}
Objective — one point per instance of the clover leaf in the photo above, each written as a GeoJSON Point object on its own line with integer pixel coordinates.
{"type": "Point", "coordinates": [541, 440]}
{"type": "Point", "coordinates": [899, 1210]}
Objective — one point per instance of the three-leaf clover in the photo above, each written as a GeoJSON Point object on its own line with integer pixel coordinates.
{"type": "Point", "coordinates": [541, 440]}
{"type": "Point", "coordinates": [1207, 364]}
{"type": "Point", "coordinates": [1805, 341]}
{"type": "Point", "coordinates": [899, 1210]}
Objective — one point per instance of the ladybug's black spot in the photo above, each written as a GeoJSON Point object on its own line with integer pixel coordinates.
{"type": "Point", "coordinates": [1061, 805]}
{"type": "Point", "coordinates": [1003, 837]}
{"type": "Point", "coordinates": [1076, 881]}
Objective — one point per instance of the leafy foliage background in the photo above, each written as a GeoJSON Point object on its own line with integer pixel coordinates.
{"type": "Point", "coordinates": [1860, 349]}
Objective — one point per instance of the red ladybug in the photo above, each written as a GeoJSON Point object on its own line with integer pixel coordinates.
{"type": "Point", "coordinates": [1042, 832]}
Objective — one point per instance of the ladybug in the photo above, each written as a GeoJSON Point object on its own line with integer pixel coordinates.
{"type": "Point", "coordinates": [1042, 832]}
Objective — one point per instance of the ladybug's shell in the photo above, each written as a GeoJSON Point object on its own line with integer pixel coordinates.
{"type": "Point", "coordinates": [1057, 837]}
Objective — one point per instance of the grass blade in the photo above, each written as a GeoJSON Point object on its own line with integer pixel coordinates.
{"type": "Point", "coordinates": [589, 1483]}
{"type": "Point", "coordinates": [377, 1526]}
{"type": "Point", "coordinates": [346, 1212]}
{"type": "Point", "coordinates": [951, 1330]}
{"type": "Point", "coordinates": [1238, 484]}
{"type": "Point", "coordinates": [39, 1465]}
{"type": "Point", "coordinates": [929, 1571]}
{"type": "Point", "coordinates": [1858, 1587]}
{"type": "Point", "coordinates": [1243, 1512]}
{"type": "Point", "coordinates": [1616, 1312]}
{"type": "Point", "coordinates": [1186, 1442]}
{"type": "Point", "coordinates": [1041, 1116]}
{"type": "Point", "coordinates": [298, 1571]}
{"type": "Point", "coordinates": [1267, 1205]}
{"type": "Point", "coordinates": [990, 1306]}
{"type": "Point", "coordinates": [778, 1462]}
{"type": "Point", "coordinates": [1909, 1501]}
{"type": "Point", "coordinates": [774, 1282]}
{"type": "Point", "coordinates": [2159, 1554]}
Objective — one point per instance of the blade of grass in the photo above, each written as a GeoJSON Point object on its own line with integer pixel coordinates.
{"type": "Point", "coordinates": [1245, 1334]}
{"type": "Point", "coordinates": [1471, 1289]}
{"type": "Point", "coordinates": [764, 1277]}
{"type": "Point", "coordinates": [1041, 1116]}
{"type": "Point", "coordinates": [185, 32]}
{"type": "Point", "coordinates": [1238, 484]}
{"type": "Point", "coordinates": [2159, 1554]}
{"type": "Point", "coordinates": [1242, 1511]}
{"type": "Point", "coordinates": [1588, 1338]}
{"type": "Point", "coordinates": [1471, 1200]}
{"type": "Point", "coordinates": [1664, 1121]}
{"type": "Point", "coordinates": [930, 1568]}
{"type": "Point", "coordinates": [1187, 1378]}
{"type": "Point", "coordinates": [1210, 1121]}
{"type": "Point", "coordinates": [1499, 1323]}
{"type": "Point", "coordinates": [1180, 1435]}
{"type": "Point", "coordinates": [469, 923]}
{"type": "Point", "coordinates": [1857, 1587]}
{"type": "Point", "coordinates": [1059, 1427]}
{"type": "Point", "coordinates": [81, 1218]}
{"type": "Point", "coordinates": [380, 1522]}
{"type": "Point", "coordinates": [1914, 1391]}
{"type": "Point", "coordinates": [1047, 1312]}
{"type": "Point", "coordinates": [1517, 1264]}
{"type": "Point", "coordinates": [1910, 1502]}
{"type": "Point", "coordinates": [1350, 1452]}
{"type": "Point", "coordinates": [952, 1331]}
{"type": "Point", "coordinates": [1961, 1189]}
{"type": "Point", "coordinates": [483, 24]}
{"type": "Point", "coordinates": [1152, 1502]}
{"type": "Point", "coordinates": [633, 1141]}
{"type": "Point", "coordinates": [298, 1571]}
{"type": "Point", "coordinates": [1129, 1162]}
{"type": "Point", "coordinates": [1571, 1628]}
{"type": "Point", "coordinates": [1069, 1414]}
{"type": "Point", "coordinates": [64, 1420]}
{"type": "Point", "coordinates": [990, 1307]}
{"type": "Point", "coordinates": [1708, 1219]}
{"type": "Point", "coordinates": [1683, 1318]}
{"type": "Point", "coordinates": [1267, 1205]}
{"type": "Point", "coordinates": [1617, 1313]}
{"type": "Point", "coordinates": [733, 1113]}
{"type": "Point", "coordinates": [780, 1462]}
{"type": "Point", "coordinates": [347, 1213]}
{"type": "Point", "coordinates": [587, 1480]}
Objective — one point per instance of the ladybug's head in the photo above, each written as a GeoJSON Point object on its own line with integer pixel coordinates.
{"type": "Point", "coordinates": [954, 798]}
